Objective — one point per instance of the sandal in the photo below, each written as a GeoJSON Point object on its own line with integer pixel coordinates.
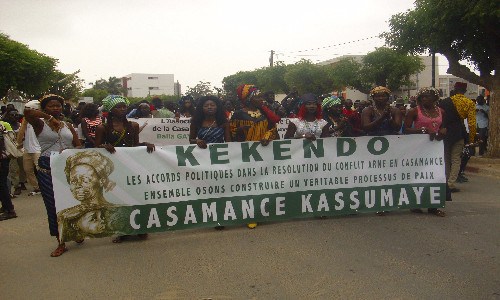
{"type": "Point", "coordinates": [80, 241]}
{"type": "Point", "coordinates": [59, 250]}
{"type": "Point", "coordinates": [436, 212]}
{"type": "Point", "coordinates": [34, 193]}
{"type": "Point", "coordinates": [118, 239]}
{"type": "Point", "coordinates": [416, 210]}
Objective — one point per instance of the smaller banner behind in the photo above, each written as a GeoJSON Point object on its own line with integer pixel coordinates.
{"type": "Point", "coordinates": [183, 186]}
{"type": "Point", "coordinates": [169, 131]}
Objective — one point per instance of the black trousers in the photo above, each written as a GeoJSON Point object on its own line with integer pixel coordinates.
{"type": "Point", "coordinates": [4, 187]}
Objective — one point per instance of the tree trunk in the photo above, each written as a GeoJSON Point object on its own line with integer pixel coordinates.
{"type": "Point", "coordinates": [494, 120]}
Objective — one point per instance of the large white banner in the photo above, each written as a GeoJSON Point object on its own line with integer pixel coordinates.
{"type": "Point", "coordinates": [182, 186]}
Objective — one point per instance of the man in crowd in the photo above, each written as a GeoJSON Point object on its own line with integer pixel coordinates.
{"type": "Point", "coordinates": [457, 108]}
{"type": "Point", "coordinates": [482, 118]}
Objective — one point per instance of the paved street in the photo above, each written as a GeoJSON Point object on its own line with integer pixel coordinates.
{"type": "Point", "coordinates": [402, 255]}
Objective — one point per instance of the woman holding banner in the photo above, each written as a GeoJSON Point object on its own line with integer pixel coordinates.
{"type": "Point", "coordinates": [209, 125]}
{"type": "Point", "coordinates": [53, 136]}
{"type": "Point", "coordinates": [380, 118]}
{"type": "Point", "coordinates": [426, 118]}
{"type": "Point", "coordinates": [254, 121]}
{"type": "Point", "coordinates": [119, 132]}
{"type": "Point", "coordinates": [310, 123]}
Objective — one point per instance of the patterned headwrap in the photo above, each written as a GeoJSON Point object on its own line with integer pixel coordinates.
{"type": "Point", "coordinates": [102, 165]}
{"type": "Point", "coordinates": [380, 89]}
{"type": "Point", "coordinates": [330, 101]}
{"type": "Point", "coordinates": [427, 90]}
{"type": "Point", "coordinates": [246, 92]}
{"type": "Point", "coordinates": [46, 98]}
{"type": "Point", "coordinates": [111, 100]}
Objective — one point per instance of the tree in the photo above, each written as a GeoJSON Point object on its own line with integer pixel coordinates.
{"type": "Point", "coordinates": [230, 83]}
{"type": "Point", "coordinates": [24, 69]}
{"type": "Point", "coordinates": [97, 94]}
{"type": "Point", "coordinates": [309, 77]}
{"type": "Point", "coordinates": [463, 31]}
{"type": "Point", "coordinates": [69, 86]}
{"type": "Point", "coordinates": [200, 89]}
{"type": "Point", "coordinates": [383, 66]}
{"type": "Point", "coordinates": [387, 67]}
{"type": "Point", "coordinates": [113, 85]}
{"type": "Point", "coordinates": [347, 72]}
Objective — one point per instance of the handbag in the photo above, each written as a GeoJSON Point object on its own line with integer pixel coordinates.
{"type": "Point", "coordinates": [11, 145]}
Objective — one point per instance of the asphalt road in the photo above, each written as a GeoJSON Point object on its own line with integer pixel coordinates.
{"type": "Point", "coordinates": [401, 255]}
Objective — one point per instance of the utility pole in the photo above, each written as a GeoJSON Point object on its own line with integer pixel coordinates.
{"type": "Point", "coordinates": [271, 58]}
{"type": "Point", "coordinates": [433, 57]}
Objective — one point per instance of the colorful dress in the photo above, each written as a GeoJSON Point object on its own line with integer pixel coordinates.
{"type": "Point", "coordinates": [91, 127]}
{"type": "Point", "coordinates": [254, 125]}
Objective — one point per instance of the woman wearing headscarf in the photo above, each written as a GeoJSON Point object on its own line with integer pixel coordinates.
{"type": "Point", "coordinates": [254, 121]}
{"type": "Point", "coordinates": [380, 118]}
{"type": "Point", "coordinates": [309, 124]}
{"type": "Point", "coordinates": [53, 136]}
{"type": "Point", "coordinates": [118, 132]}
{"type": "Point", "coordinates": [338, 124]}
{"type": "Point", "coordinates": [426, 118]}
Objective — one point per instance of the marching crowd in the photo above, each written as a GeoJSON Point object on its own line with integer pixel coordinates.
{"type": "Point", "coordinates": [50, 124]}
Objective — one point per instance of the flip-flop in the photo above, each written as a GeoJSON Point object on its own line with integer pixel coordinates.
{"type": "Point", "coordinates": [59, 251]}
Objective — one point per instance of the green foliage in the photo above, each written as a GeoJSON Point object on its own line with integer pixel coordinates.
{"type": "Point", "coordinates": [200, 89]}
{"type": "Point", "coordinates": [309, 78]}
{"type": "Point", "coordinates": [68, 86]}
{"type": "Point", "coordinates": [459, 29]}
{"type": "Point", "coordinates": [230, 83]}
{"type": "Point", "coordinates": [113, 85]}
{"type": "Point", "coordinates": [273, 79]}
{"type": "Point", "coordinates": [380, 67]}
{"type": "Point", "coordinates": [97, 94]}
{"type": "Point", "coordinates": [149, 98]}
{"type": "Point", "coordinates": [347, 72]}
{"type": "Point", "coordinates": [387, 67]}
{"type": "Point", "coordinates": [24, 69]}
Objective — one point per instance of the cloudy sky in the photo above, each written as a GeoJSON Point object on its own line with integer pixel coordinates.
{"type": "Point", "coordinates": [196, 40]}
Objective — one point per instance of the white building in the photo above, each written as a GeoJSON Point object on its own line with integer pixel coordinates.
{"type": "Point", "coordinates": [447, 82]}
{"type": "Point", "coordinates": [142, 85]}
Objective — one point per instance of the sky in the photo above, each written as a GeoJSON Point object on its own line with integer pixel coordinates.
{"type": "Point", "coordinates": [195, 40]}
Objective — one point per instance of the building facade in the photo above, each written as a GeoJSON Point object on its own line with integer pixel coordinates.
{"type": "Point", "coordinates": [143, 85]}
{"type": "Point", "coordinates": [447, 82]}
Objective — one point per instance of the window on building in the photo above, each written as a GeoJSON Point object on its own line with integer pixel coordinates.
{"type": "Point", "coordinates": [154, 88]}
{"type": "Point", "coordinates": [153, 77]}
